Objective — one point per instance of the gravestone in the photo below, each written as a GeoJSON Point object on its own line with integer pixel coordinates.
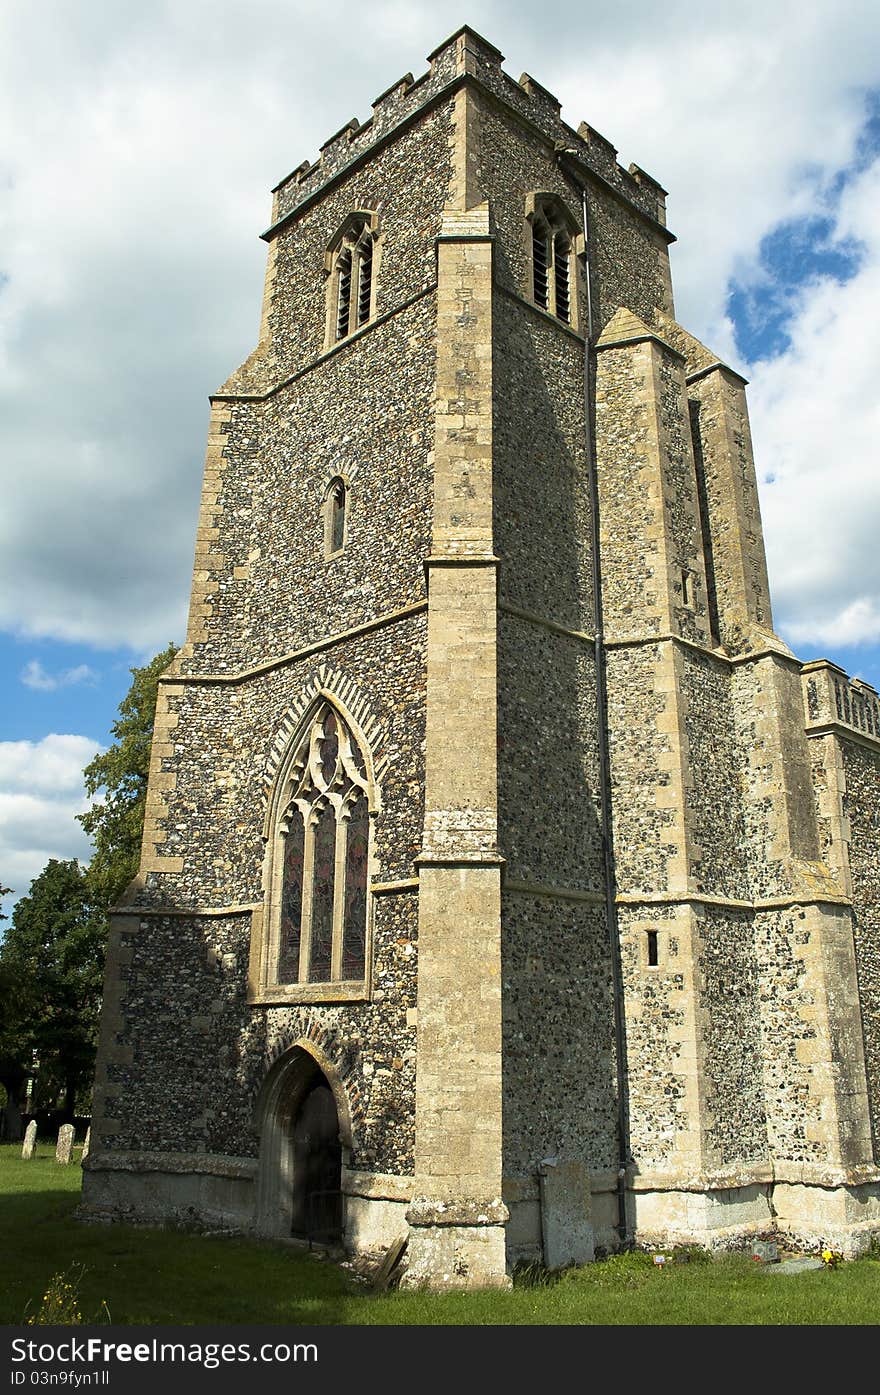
{"type": "Point", "coordinates": [566, 1220]}
{"type": "Point", "coordinates": [64, 1146]}
{"type": "Point", "coordinates": [28, 1148]}
{"type": "Point", "coordinates": [85, 1151]}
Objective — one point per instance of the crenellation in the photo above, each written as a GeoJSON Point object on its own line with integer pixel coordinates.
{"type": "Point", "coordinates": [540, 96]}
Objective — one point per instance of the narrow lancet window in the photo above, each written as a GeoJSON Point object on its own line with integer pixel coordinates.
{"type": "Point", "coordinates": [334, 518]}
{"type": "Point", "coordinates": [291, 900]}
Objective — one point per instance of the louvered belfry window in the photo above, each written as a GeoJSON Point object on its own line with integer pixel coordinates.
{"type": "Point", "coordinates": [324, 831]}
{"type": "Point", "coordinates": [561, 275]}
{"type": "Point", "coordinates": [343, 293]}
{"type": "Point", "coordinates": [365, 278]}
{"type": "Point", "coordinates": [552, 259]}
{"type": "Point", "coordinates": [354, 278]}
{"type": "Point", "coordinates": [541, 262]}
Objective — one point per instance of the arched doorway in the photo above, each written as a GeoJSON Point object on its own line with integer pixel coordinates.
{"type": "Point", "coordinates": [316, 1201]}
{"type": "Point", "coordinates": [304, 1126]}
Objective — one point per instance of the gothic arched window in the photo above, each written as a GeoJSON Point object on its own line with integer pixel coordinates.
{"type": "Point", "coordinates": [351, 263]}
{"type": "Point", "coordinates": [316, 944]}
{"type": "Point", "coordinates": [554, 240]}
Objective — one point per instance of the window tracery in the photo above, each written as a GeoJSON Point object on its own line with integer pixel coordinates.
{"type": "Point", "coordinates": [320, 859]}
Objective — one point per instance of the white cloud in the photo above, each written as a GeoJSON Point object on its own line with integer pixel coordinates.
{"type": "Point", "coordinates": [53, 765]}
{"type": "Point", "coordinates": [816, 422]}
{"type": "Point", "coordinates": [41, 792]}
{"type": "Point", "coordinates": [34, 675]}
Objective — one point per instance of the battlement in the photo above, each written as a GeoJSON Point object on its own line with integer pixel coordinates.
{"type": "Point", "coordinates": [831, 697]}
{"type": "Point", "coordinates": [464, 56]}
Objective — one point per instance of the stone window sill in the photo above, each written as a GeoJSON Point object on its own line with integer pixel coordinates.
{"type": "Point", "coordinates": [293, 993]}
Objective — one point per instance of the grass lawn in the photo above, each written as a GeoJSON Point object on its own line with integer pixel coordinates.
{"type": "Point", "coordinates": [154, 1276]}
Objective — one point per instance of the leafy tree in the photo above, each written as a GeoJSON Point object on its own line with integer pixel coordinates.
{"type": "Point", "coordinates": [51, 960]}
{"type": "Point", "coordinates": [51, 964]}
{"type": "Point", "coordinates": [121, 773]}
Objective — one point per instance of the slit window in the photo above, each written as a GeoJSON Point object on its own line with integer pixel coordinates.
{"type": "Point", "coordinates": [653, 950]}
{"type": "Point", "coordinates": [335, 510]}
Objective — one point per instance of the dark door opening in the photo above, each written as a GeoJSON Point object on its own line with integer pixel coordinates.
{"type": "Point", "coordinates": [317, 1167]}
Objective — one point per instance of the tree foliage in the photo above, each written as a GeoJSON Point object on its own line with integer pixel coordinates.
{"type": "Point", "coordinates": [51, 964]}
{"type": "Point", "coordinates": [116, 823]}
{"type": "Point", "coordinates": [52, 956]}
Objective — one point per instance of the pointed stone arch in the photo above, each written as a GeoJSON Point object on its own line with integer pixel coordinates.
{"type": "Point", "coordinates": [357, 712]}
{"type": "Point", "coordinates": [312, 940]}
{"type": "Point", "coordinates": [284, 1089]}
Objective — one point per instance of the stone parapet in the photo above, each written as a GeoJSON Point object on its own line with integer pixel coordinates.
{"type": "Point", "coordinates": [465, 55]}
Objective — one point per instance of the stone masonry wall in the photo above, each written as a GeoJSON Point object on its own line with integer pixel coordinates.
{"type": "Point", "coordinates": [862, 770]}
{"type": "Point", "coordinates": [364, 413]}
{"type": "Point", "coordinates": [548, 801]}
{"type": "Point", "coordinates": [656, 1014]}
{"type": "Point", "coordinates": [730, 995]}
{"type": "Point", "coordinates": [197, 1056]}
{"type": "Point", "coordinates": [558, 1034]}
{"type": "Point", "coordinates": [713, 797]}
{"type": "Point", "coordinates": [364, 410]}
{"type": "Point", "coordinates": [541, 500]}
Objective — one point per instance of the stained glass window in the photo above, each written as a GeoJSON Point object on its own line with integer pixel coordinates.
{"type": "Point", "coordinates": [321, 928]}
{"type": "Point", "coordinates": [320, 956]}
{"type": "Point", "coordinates": [291, 901]}
{"type": "Point", "coordinates": [354, 918]}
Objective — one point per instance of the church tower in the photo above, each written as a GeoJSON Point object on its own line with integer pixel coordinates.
{"type": "Point", "coordinates": [507, 884]}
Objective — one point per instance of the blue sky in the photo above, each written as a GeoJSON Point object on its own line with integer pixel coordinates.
{"type": "Point", "coordinates": [140, 144]}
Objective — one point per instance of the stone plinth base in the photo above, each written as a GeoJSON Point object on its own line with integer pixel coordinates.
{"type": "Point", "coordinates": [804, 1212]}
{"type": "Point", "coordinates": [845, 1218]}
{"type": "Point", "coordinates": [456, 1244]}
{"type": "Point", "coordinates": [169, 1189]}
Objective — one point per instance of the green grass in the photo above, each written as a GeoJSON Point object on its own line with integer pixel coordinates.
{"type": "Point", "coordinates": [154, 1276]}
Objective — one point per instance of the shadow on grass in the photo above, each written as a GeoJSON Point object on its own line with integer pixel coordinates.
{"type": "Point", "coordinates": [145, 1274]}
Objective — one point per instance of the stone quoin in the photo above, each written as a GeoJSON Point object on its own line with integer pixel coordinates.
{"type": "Point", "coordinates": [507, 883]}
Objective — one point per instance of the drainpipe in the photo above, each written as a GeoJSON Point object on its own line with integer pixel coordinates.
{"type": "Point", "coordinates": [624, 1158]}
{"type": "Point", "coordinates": [543, 1167]}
